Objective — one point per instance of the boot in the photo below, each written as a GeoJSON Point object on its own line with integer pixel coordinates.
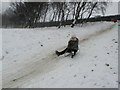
{"type": "Point", "coordinates": [72, 54]}
{"type": "Point", "coordinates": [58, 54]}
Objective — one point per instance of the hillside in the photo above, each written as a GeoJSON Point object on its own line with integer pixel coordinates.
{"type": "Point", "coordinates": [29, 60]}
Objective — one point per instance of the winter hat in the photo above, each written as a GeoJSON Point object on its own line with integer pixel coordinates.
{"type": "Point", "coordinates": [73, 37]}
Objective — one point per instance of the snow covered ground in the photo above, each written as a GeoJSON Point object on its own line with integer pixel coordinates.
{"type": "Point", "coordinates": [29, 61]}
{"type": "Point", "coordinates": [0, 58]}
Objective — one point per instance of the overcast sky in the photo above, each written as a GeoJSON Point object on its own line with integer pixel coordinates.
{"type": "Point", "coordinates": [111, 9]}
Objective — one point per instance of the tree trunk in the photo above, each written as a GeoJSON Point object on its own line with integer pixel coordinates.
{"type": "Point", "coordinates": [45, 13]}
{"type": "Point", "coordinates": [91, 10]}
{"type": "Point", "coordinates": [77, 13]}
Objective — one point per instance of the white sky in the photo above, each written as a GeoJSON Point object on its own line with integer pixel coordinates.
{"type": "Point", "coordinates": [111, 9]}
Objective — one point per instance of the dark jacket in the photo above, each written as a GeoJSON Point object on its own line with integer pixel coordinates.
{"type": "Point", "coordinates": [73, 44]}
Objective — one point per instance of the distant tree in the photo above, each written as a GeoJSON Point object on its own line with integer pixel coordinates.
{"type": "Point", "coordinates": [95, 7]}
{"type": "Point", "coordinates": [80, 5]}
{"type": "Point", "coordinates": [6, 18]}
{"type": "Point", "coordinates": [28, 14]}
{"type": "Point", "coordinates": [0, 20]}
{"type": "Point", "coordinates": [86, 9]}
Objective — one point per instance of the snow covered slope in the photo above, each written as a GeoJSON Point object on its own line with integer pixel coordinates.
{"type": "Point", "coordinates": [29, 59]}
{"type": "Point", "coordinates": [0, 58]}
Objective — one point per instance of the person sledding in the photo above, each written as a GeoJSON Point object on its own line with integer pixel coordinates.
{"type": "Point", "coordinates": [72, 47]}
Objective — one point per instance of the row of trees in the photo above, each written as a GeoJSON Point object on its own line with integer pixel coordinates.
{"type": "Point", "coordinates": [27, 14]}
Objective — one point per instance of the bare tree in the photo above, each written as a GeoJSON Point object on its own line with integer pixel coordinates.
{"type": "Point", "coordinates": [93, 5]}
{"type": "Point", "coordinates": [29, 13]}
{"type": "Point", "coordinates": [78, 10]}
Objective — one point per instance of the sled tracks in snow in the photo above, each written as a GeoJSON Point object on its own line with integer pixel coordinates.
{"type": "Point", "coordinates": [93, 35]}
{"type": "Point", "coordinates": [42, 66]}
{"type": "Point", "coordinates": [97, 33]}
{"type": "Point", "coordinates": [32, 70]}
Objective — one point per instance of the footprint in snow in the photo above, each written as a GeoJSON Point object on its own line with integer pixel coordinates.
{"type": "Point", "coordinates": [95, 65]}
{"type": "Point", "coordinates": [2, 58]}
{"type": "Point", "coordinates": [6, 52]}
{"type": "Point", "coordinates": [113, 40]}
{"type": "Point", "coordinates": [95, 56]}
{"type": "Point", "coordinates": [84, 76]}
{"type": "Point", "coordinates": [75, 75]}
{"type": "Point", "coordinates": [95, 84]}
{"type": "Point", "coordinates": [52, 77]}
{"type": "Point", "coordinates": [70, 65]}
{"type": "Point", "coordinates": [14, 60]}
{"type": "Point", "coordinates": [48, 38]}
{"type": "Point", "coordinates": [110, 67]}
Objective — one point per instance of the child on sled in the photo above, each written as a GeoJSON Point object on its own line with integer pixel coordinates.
{"type": "Point", "coordinates": [72, 47]}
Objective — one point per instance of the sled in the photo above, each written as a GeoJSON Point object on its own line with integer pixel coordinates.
{"type": "Point", "coordinates": [68, 54]}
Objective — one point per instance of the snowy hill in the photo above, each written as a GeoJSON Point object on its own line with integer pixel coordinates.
{"type": "Point", "coordinates": [29, 60]}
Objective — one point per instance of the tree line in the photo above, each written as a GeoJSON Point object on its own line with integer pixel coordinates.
{"type": "Point", "coordinates": [27, 14]}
